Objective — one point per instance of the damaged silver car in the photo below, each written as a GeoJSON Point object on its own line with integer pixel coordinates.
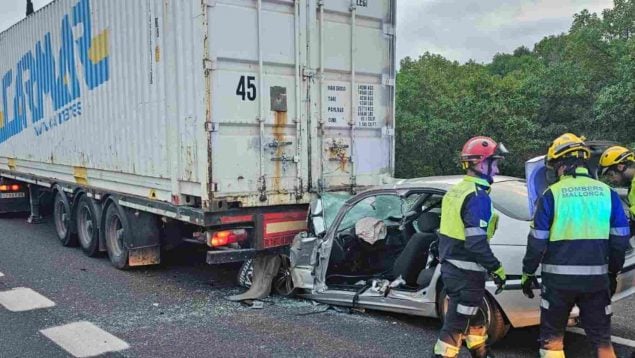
{"type": "Point", "coordinates": [376, 250]}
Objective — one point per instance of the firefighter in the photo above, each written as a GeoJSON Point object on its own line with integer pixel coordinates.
{"type": "Point", "coordinates": [467, 224]}
{"type": "Point", "coordinates": [617, 165]}
{"type": "Point", "coordinates": [580, 235]}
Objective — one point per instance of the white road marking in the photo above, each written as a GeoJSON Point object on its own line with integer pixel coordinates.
{"type": "Point", "coordinates": [1, 274]}
{"type": "Point", "coordinates": [616, 340]}
{"type": "Point", "coordinates": [23, 299]}
{"type": "Point", "coordinates": [84, 339]}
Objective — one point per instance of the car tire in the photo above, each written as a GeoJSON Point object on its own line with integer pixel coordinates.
{"type": "Point", "coordinates": [497, 326]}
{"type": "Point", "coordinates": [283, 283]}
{"type": "Point", "coordinates": [116, 231]}
{"type": "Point", "coordinates": [62, 218]}
{"type": "Point", "coordinates": [87, 226]}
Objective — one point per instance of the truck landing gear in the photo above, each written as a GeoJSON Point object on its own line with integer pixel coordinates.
{"type": "Point", "coordinates": [34, 200]}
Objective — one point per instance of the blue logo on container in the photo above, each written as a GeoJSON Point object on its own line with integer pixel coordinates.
{"type": "Point", "coordinates": [53, 75]}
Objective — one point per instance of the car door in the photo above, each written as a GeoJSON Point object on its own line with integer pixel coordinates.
{"type": "Point", "coordinates": [322, 213]}
{"type": "Point", "coordinates": [373, 295]}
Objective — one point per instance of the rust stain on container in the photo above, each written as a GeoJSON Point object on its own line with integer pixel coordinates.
{"type": "Point", "coordinates": [280, 122]}
{"type": "Point", "coordinates": [338, 153]}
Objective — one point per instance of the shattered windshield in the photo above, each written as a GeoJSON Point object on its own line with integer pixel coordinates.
{"type": "Point", "coordinates": [332, 203]}
{"type": "Point", "coordinates": [379, 207]}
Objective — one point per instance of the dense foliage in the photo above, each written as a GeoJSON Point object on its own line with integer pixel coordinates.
{"type": "Point", "coordinates": [582, 81]}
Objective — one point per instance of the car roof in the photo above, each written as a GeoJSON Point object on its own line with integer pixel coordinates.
{"type": "Point", "coordinates": [437, 182]}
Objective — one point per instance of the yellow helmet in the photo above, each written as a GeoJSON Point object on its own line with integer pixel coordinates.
{"type": "Point", "coordinates": [615, 155]}
{"type": "Point", "coordinates": [568, 145]}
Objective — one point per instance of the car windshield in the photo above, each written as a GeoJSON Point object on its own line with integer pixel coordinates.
{"type": "Point", "coordinates": [380, 207]}
{"type": "Point", "coordinates": [332, 203]}
{"type": "Point", "coordinates": [510, 198]}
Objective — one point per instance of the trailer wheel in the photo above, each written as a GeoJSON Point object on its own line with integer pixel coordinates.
{"type": "Point", "coordinates": [116, 230]}
{"type": "Point", "coordinates": [63, 220]}
{"type": "Point", "coordinates": [87, 226]}
{"type": "Point", "coordinates": [246, 274]}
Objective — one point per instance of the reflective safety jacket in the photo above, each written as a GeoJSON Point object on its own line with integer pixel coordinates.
{"type": "Point", "coordinates": [579, 233]}
{"type": "Point", "coordinates": [467, 223]}
{"type": "Point", "coordinates": [631, 199]}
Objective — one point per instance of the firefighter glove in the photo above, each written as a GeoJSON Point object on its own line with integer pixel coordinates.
{"type": "Point", "coordinates": [499, 278]}
{"type": "Point", "coordinates": [613, 283]}
{"type": "Point", "coordinates": [528, 282]}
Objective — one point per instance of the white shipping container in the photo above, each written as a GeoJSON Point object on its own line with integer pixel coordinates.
{"type": "Point", "coordinates": [206, 103]}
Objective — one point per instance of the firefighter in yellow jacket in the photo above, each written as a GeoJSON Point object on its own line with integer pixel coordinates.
{"type": "Point", "coordinates": [580, 235]}
{"type": "Point", "coordinates": [467, 223]}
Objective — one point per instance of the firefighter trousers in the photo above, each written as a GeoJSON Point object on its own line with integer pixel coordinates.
{"type": "Point", "coordinates": [465, 319]}
{"type": "Point", "coordinates": [595, 317]}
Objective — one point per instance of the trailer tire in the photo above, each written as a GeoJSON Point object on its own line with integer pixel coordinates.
{"type": "Point", "coordinates": [246, 274]}
{"type": "Point", "coordinates": [87, 226]}
{"type": "Point", "coordinates": [116, 232]}
{"type": "Point", "coordinates": [62, 217]}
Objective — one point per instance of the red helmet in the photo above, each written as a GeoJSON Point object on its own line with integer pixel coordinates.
{"type": "Point", "coordinates": [479, 149]}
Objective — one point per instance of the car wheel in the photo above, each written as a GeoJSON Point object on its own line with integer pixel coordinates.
{"type": "Point", "coordinates": [497, 327]}
{"type": "Point", "coordinates": [283, 283]}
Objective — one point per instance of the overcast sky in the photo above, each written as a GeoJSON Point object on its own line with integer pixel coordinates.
{"type": "Point", "coordinates": [457, 29]}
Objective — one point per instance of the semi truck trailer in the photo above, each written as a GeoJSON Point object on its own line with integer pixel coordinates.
{"type": "Point", "coordinates": [151, 122]}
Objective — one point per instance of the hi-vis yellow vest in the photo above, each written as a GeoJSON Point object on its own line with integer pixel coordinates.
{"type": "Point", "coordinates": [582, 209]}
{"type": "Point", "coordinates": [451, 220]}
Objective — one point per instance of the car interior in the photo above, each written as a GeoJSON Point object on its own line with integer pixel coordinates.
{"type": "Point", "coordinates": [402, 250]}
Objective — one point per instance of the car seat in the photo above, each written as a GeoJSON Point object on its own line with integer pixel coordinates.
{"type": "Point", "coordinates": [412, 259]}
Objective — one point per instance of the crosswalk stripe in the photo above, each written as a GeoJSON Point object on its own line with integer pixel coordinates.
{"type": "Point", "coordinates": [23, 299]}
{"type": "Point", "coordinates": [614, 339]}
{"type": "Point", "coordinates": [84, 339]}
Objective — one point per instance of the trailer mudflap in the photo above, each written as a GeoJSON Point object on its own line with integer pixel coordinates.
{"type": "Point", "coordinates": [143, 256]}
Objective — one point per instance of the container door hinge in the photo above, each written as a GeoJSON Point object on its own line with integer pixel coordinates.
{"type": "Point", "coordinates": [210, 3]}
{"type": "Point", "coordinates": [388, 132]}
{"type": "Point", "coordinates": [308, 73]}
{"type": "Point", "coordinates": [389, 29]}
{"type": "Point", "coordinates": [387, 80]}
{"type": "Point", "coordinates": [209, 64]}
{"type": "Point", "coordinates": [211, 127]}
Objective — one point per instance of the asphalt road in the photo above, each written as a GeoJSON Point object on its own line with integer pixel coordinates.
{"type": "Point", "coordinates": [178, 309]}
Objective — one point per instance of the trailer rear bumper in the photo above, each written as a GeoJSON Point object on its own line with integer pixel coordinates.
{"type": "Point", "coordinates": [15, 205]}
{"type": "Point", "coordinates": [226, 256]}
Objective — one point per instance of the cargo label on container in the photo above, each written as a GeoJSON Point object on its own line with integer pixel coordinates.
{"type": "Point", "coordinates": [366, 106]}
{"type": "Point", "coordinates": [47, 77]}
{"type": "Point", "coordinates": [338, 101]}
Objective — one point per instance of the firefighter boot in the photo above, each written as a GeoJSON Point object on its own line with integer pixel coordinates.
{"type": "Point", "coordinates": [481, 352]}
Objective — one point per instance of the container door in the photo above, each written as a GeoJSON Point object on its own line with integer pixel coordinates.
{"type": "Point", "coordinates": [258, 139]}
{"type": "Point", "coordinates": [352, 55]}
